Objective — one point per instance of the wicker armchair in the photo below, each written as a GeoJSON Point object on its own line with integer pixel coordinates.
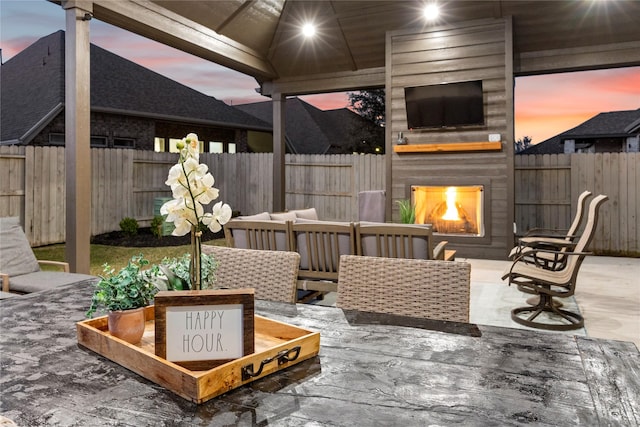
{"type": "Point", "coordinates": [429, 289]}
{"type": "Point", "coordinates": [273, 274]}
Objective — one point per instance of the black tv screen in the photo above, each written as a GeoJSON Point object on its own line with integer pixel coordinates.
{"type": "Point", "coordinates": [445, 105]}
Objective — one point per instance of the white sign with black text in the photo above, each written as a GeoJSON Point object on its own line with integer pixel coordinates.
{"type": "Point", "coordinates": [204, 332]}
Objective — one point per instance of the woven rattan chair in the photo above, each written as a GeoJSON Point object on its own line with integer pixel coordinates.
{"type": "Point", "coordinates": [273, 274]}
{"type": "Point", "coordinates": [397, 241]}
{"type": "Point", "coordinates": [270, 235]}
{"type": "Point", "coordinates": [430, 289]}
{"type": "Point", "coordinates": [553, 283]}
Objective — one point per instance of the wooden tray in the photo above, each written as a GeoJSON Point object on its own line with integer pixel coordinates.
{"type": "Point", "coordinates": [277, 346]}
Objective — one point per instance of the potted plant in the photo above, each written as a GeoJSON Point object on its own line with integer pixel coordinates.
{"type": "Point", "coordinates": [407, 211]}
{"type": "Point", "coordinates": [124, 296]}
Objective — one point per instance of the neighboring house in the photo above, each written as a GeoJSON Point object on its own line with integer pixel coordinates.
{"type": "Point", "coordinates": [615, 131]}
{"type": "Point", "coordinates": [310, 130]}
{"type": "Point", "coordinates": [131, 106]}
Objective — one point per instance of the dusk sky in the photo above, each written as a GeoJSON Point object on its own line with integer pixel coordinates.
{"type": "Point", "coordinates": [545, 105]}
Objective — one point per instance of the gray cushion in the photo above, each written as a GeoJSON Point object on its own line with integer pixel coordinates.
{"type": "Point", "coordinates": [9, 221]}
{"type": "Point", "coordinates": [16, 256]}
{"type": "Point", "coordinates": [264, 216]}
{"type": "Point", "coordinates": [43, 280]}
{"type": "Point", "coordinates": [309, 213]}
{"type": "Point", "coordinates": [284, 216]}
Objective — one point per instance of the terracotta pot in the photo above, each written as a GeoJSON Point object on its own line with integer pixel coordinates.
{"type": "Point", "coordinates": [127, 325]}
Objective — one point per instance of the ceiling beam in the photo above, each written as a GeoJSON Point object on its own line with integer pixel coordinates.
{"type": "Point", "coordinates": [149, 20]}
{"type": "Point", "coordinates": [369, 78]}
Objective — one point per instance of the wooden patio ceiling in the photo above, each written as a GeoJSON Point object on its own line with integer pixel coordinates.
{"type": "Point", "coordinates": [262, 38]}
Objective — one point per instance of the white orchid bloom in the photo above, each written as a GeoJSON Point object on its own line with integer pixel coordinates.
{"type": "Point", "coordinates": [192, 188]}
{"type": "Point", "coordinates": [222, 212]}
{"type": "Point", "coordinates": [182, 227]}
{"type": "Point", "coordinates": [179, 214]}
{"type": "Point", "coordinates": [192, 146]}
{"type": "Point", "coordinates": [221, 215]}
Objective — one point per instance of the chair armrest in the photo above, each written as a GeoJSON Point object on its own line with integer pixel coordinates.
{"type": "Point", "coordinates": [551, 244]}
{"type": "Point", "coordinates": [61, 264]}
{"type": "Point", "coordinates": [546, 232]}
{"type": "Point", "coordinates": [5, 282]}
{"type": "Point", "coordinates": [438, 251]}
{"type": "Point", "coordinates": [533, 251]}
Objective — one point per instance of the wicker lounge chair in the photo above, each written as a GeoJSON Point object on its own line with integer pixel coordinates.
{"type": "Point", "coordinates": [430, 289]}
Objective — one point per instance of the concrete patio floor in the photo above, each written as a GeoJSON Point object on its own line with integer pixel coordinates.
{"type": "Point", "coordinates": [607, 295]}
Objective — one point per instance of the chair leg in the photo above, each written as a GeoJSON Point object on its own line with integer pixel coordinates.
{"type": "Point", "coordinates": [547, 304]}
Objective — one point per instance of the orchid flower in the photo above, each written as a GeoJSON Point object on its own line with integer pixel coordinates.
{"type": "Point", "coordinates": [192, 187]}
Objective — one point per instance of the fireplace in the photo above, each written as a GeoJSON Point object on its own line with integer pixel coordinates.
{"type": "Point", "coordinates": [452, 210]}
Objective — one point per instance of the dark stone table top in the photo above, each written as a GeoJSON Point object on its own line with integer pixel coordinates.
{"type": "Point", "coordinates": [370, 372]}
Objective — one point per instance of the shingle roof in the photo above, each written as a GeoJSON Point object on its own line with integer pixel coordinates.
{"type": "Point", "coordinates": [33, 85]}
{"type": "Point", "coordinates": [602, 125]}
{"type": "Point", "coordinates": [310, 130]}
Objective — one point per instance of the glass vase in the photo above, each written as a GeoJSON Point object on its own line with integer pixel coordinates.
{"type": "Point", "coordinates": [195, 268]}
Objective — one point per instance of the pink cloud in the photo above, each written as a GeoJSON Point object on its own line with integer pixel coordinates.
{"type": "Point", "coordinates": [548, 105]}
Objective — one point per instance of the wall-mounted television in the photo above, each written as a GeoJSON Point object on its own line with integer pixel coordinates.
{"type": "Point", "coordinates": [445, 105]}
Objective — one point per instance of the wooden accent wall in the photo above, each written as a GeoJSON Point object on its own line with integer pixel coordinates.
{"type": "Point", "coordinates": [476, 50]}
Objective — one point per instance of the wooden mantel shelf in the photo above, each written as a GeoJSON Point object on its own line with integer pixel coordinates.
{"type": "Point", "coordinates": [448, 147]}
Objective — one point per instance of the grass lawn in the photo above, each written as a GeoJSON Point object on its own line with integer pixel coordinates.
{"type": "Point", "coordinates": [117, 256]}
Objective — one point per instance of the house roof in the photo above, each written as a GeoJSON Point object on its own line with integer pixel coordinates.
{"type": "Point", "coordinates": [310, 130]}
{"type": "Point", "coordinates": [33, 92]}
{"type": "Point", "coordinates": [613, 124]}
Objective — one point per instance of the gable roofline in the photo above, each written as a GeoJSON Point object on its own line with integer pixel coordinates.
{"type": "Point", "coordinates": [182, 119]}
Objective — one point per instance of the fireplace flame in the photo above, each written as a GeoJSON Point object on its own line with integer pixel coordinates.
{"type": "Point", "coordinates": [451, 213]}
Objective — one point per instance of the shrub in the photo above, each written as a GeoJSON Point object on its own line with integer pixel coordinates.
{"type": "Point", "coordinates": [156, 225]}
{"type": "Point", "coordinates": [129, 226]}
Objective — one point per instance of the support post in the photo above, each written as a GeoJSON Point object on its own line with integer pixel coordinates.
{"type": "Point", "coordinates": [77, 135]}
{"type": "Point", "coordinates": [279, 148]}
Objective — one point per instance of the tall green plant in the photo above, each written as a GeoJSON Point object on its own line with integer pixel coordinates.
{"type": "Point", "coordinates": [407, 211]}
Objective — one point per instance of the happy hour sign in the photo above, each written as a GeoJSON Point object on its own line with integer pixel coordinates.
{"type": "Point", "coordinates": [202, 329]}
{"type": "Point", "coordinates": [204, 332]}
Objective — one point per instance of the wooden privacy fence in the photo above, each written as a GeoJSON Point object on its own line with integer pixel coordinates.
{"type": "Point", "coordinates": [547, 188]}
{"type": "Point", "coordinates": [126, 183]}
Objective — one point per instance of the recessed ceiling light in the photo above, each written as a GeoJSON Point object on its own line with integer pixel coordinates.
{"type": "Point", "coordinates": [308, 30]}
{"type": "Point", "coordinates": [431, 11]}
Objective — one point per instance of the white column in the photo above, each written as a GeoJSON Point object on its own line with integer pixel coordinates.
{"type": "Point", "coordinates": [77, 134]}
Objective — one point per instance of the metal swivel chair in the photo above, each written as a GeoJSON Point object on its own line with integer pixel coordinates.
{"type": "Point", "coordinates": [553, 283]}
